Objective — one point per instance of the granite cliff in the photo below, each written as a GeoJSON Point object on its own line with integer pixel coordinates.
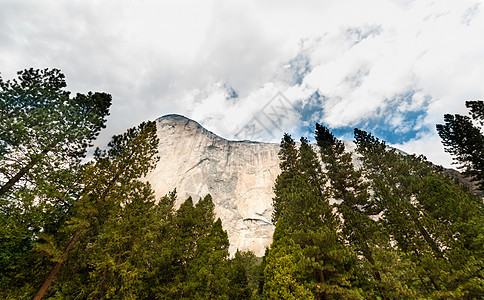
{"type": "Point", "coordinates": [239, 175]}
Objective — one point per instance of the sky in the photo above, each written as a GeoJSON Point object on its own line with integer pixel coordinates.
{"type": "Point", "coordinates": [256, 69]}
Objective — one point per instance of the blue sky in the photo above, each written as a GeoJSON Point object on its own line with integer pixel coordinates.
{"type": "Point", "coordinates": [391, 67]}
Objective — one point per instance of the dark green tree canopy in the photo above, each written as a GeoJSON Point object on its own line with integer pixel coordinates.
{"type": "Point", "coordinates": [463, 138]}
{"type": "Point", "coordinates": [423, 213]}
{"type": "Point", "coordinates": [43, 129]}
{"type": "Point", "coordinates": [324, 137]}
{"type": "Point", "coordinates": [44, 134]}
{"type": "Point", "coordinates": [392, 227]}
{"type": "Point", "coordinates": [476, 110]}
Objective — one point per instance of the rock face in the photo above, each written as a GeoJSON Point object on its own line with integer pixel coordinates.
{"type": "Point", "coordinates": [239, 175]}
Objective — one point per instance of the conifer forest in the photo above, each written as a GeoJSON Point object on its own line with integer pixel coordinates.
{"type": "Point", "coordinates": [395, 227]}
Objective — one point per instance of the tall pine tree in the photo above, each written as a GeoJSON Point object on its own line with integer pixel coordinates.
{"type": "Point", "coordinates": [427, 226]}
{"type": "Point", "coordinates": [463, 137]}
{"type": "Point", "coordinates": [359, 211]}
{"type": "Point", "coordinates": [108, 180]}
{"type": "Point", "coordinates": [44, 133]}
{"type": "Point", "coordinates": [306, 232]}
{"type": "Point", "coordinates": [43, 129]}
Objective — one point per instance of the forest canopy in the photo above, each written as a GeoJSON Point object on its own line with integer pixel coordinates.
{"type": "Point", "coordinates": [396, 228]}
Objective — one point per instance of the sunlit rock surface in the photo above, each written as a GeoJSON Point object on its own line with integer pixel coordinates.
{"type": "Point", "coordinates": [239, 175]}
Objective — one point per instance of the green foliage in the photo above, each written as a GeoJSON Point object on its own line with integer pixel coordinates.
{"type": "Point", "coordinates": [238, 281]}
{"type": "Point", "coordinates": [119, 255]}
{"type": "Point", "coordinates": [44, 134]}
{"type": "Point", "coordinates": [111, 187]}
{"type": "Point", "coordinates": [191, 254]}
{"type": "Point", "coordinates": [396, 228]}
{"type": "Point", "coordinates": [359, 211]}
{"type": "Point", "coordinates": [45, 131]}
{"type": "Point", "coordinates": [288, 156]}
{"type": "Point", "coordinates": [463, 137]}
{"type": "Point", "coordinates": [306, 239]}
{"type": "Point", "coordinates": [424, 212]}
{"type": "Point", "coordinates": [286, 272]}
{"type": "Point", "coordinates": [300, 187]}
{"type": "Point", "coordinates": [245, 275]}
{"type": "Point", "coordinates": [208, 275]}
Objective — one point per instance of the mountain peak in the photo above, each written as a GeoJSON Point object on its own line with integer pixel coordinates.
{"type": "Point", "coordinates": [238, 174]}
{"type": "Point", "coordinates": [173, 117]}
{"type": "Point", "coordinates": [181, 123]}
{"type": "Point", "coordinates": [176, 119]}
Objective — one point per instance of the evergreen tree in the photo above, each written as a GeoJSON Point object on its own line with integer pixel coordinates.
{"type": "Point", "coordinates": [120, 256]}
{"type": "Point", "coordinates": [183, 248]}
{"type": "Point", "coordinates": [426, 224]}
{"type": "Point", "coordinates": [463, 137]}
{"type": "Point", "coordinates": [286, 272]}
{"type": "Point", "coordinates": [204, 217]}
{"type": "Point", "coordinates": [285, 181]}
{"type": "Point", "coordinates": [161, 253]}
{"type": "Point", "coordinates": [197, 247]}
{"type": "Point", "coordinates": [359, 211]}
{"type": "Point", "coordinates": [209, 269]}
{"type": "Point", "coordinates": [244, 276]}
{"type": "Point", "coordinates": [307, 226]}
{"type": "Point", "coordinates": [108, 180]}
{"type": "Point", "coordinates": [263, 266]}
{"type": "Point", "coordinates": [238, 282]}
{"type": "Point", "coordinates": [300, 187]}
{"type": "Point", "coordinates": [44, 134]}
{"type": "Point", "coordinates": [128, 255]}
{"type": "Point", "coordinates": [44, 130]}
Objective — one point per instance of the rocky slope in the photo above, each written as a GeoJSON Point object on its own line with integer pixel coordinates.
{"type": "Point", "coordinates": [239, 175]}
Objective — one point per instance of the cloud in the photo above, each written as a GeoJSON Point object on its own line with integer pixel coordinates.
{"type": "Point", "coordinates": [393, 67]}
{"type": "Point", "coordinates": [470, 13]}
{"type": "Point", "coordinates": [430, 145]}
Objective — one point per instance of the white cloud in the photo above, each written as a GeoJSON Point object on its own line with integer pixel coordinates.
{"type": "Point", "coordinates": [430, 145]}
{"type": "Point", "coordinates": [364, 57]}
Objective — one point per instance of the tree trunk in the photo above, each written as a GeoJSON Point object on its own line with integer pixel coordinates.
{"type": "Point", "coordinates": [7, 186]}
{"type": "Point", "coordinates": [57, 267]}
{"type": "Point", "coordinates": [321, 277]}
{"type": "Point", "coordinates": [76, 236]}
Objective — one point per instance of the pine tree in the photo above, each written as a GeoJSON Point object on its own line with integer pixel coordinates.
{"type": "Point", "coordinates": [108, 180]}
{"type": "Point", "coordinates": [120, 255]}
{"type": "Point", "coordinates": [285, 181]}
{"type": "Point", "coordinates": [300, 187]}
{"type": "Point", "coordinates": [43, 135]}
{"type": "Point", "coordinates": [426, 224]}
{"type": "Point", "coordinates": [197, 246]}
{"type": "Point", "coordinates": [204, 216]}
{"type": "Point", "coordinates": [183, 248]}
{"type": "Point", "coordinates": [304, 217]}
{"type": "Point", "coordinates": [463, 137]}
{"type": "Point", "coordinates": [358, 211]}
{"type": "Point", "coordinates": [245, 275]}
{"type": "Point", "coordinates": [209, 270]}
{"type": "Point", "coordinates": [286, 272]}
{"type": "Point", "coordinates": [161, 253]}
{"type": "Point", "coordinates": [43, 129]}
{"type": "Point", "coordinates": [238, 281]}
